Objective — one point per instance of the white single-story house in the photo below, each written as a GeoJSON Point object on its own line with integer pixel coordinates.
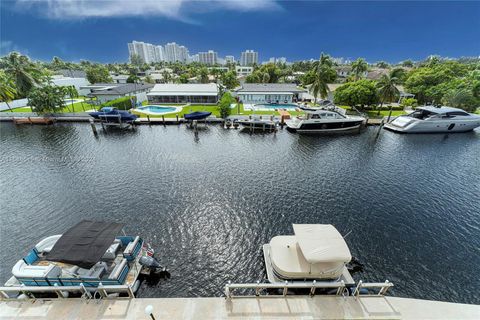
{"type": "Point", "coordinates": [201, 93]}
{"type": "Point", "coordinates": [255, 93]}
{"type": "Point", "coordinates": [78, 83]}
{"type": "Point", "coordinates": [110, 91]}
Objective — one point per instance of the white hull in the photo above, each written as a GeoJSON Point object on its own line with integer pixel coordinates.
{"type": "Point", "coordinates": [272, 277]}
{"type": "Point", "coordinates": [440, 126]}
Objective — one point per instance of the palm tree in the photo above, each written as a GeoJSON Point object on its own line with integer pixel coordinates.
{"type": "Point", "coordinates": [72, 92]}
{"type": "Point", "coordinates": [25, 74]}
{"type": "Point", "coordinates": [322, 73]}
{"type": "Point", "coordinates": [166, 76]}
{"type": "Point", "coordinates": [359, 66]}
{"type": "Point", "coordinates": [387, 90]}
{"type": "Point", "coordinates": [7, 89]}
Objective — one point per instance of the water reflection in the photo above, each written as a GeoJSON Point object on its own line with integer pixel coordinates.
{"type": "Point", "coordinates": [208, 199]}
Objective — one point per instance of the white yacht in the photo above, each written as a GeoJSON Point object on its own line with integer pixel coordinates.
{"type": "Point", "coordinates": [315, 252]}
{"type": "Point", "coordinates": [431, 119]}
{"type": "Point", "coordinates": [323, 120]}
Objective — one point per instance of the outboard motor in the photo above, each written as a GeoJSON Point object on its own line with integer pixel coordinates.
{"type": "Point", "coordinates": [152, 264]}
{"type": "Point", "coordinates": [355, 266]}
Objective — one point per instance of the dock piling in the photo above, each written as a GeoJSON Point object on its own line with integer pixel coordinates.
{"type": "Point", "coordinates": [94, 128]}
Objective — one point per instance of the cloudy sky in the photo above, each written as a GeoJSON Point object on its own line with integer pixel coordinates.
{"type": "Point", "coordinates": [377, 30]}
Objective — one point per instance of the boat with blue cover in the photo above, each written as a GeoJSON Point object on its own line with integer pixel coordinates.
{"type": "Point", "coordinates": [197, 115]}
{"type": "Point", "coordinates": [113, 115]}
{"type": "Point", "coordinates": [88, 254]}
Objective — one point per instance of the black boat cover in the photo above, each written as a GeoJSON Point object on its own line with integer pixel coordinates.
{"type": "Point", "coordinates": [85, 243]}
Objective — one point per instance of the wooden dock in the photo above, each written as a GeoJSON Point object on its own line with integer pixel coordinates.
{"type": "Point", "coordinates": [291, 307]}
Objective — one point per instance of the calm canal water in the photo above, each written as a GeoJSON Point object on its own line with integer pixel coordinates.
{"type": "Point", "coordinates": [207, 203]}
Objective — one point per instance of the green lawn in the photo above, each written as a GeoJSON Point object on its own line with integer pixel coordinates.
{"type": "Point", "coordinates": [77, 107]}
{"type": "Point", "coordinates": [213, 109]}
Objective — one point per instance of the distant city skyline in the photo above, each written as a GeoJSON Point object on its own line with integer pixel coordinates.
{"type": "Point", "coordinates": [391, 31]}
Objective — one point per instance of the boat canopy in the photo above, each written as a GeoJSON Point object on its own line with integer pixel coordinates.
{"type": "Point", "coordinates": [321, 243]}
{"type": "Point", "coordinates": [85, 243]}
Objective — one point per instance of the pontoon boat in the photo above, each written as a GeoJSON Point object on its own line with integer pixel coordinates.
{"type": "Point", "coordinates": [89, 253]}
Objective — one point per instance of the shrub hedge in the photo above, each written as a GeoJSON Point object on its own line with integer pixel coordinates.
{"type": "Point", "coordinates": [123, 103]}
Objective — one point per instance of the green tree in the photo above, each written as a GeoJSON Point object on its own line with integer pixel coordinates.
{"type": "Point", "coordinates": [387, 91]}
{"type": "Point", "coordinates": [166, 76]}
{"type": "Point", "coordinates": [23, 72]}
{"type": "Point", "coordinates": [229, 80]}
{"type": "Point", "coordinates": [224, 105]}
{"type": "Point", "coordinates": [252, 78]}
{"type": "Point", "coordinates": [57, 64]}
{"type": "Point", "coordinates": [461, 98]}
{"type": "Point", "coordinates": [407, 63]}
{"type": "Point", "coordinates": [359, 67]}
{"type": "Point", "coordinates": [409, 102]}
{"type": "Point", "coordinates": [382, 65]}
{"type": "Point", "coordinates": [149, 79]}
{"type": "Point", "coordinates": [98, 74]}
{"type": "Point", "coordinates": [183, 78]}
{"type": "Point", "coordinates": [7, 89]}
{"type": "Point", "coordinates": [431, 82]}
{"type": "Point", "coordinates": [133, 78]}
{"type": "Point", "coordinates": [203, 75]}
{"type": "Point", "coordinates": [136, 60]}
{"type": "Point", "coordinates": [358, 93]}
{"type": "Point", "coordinates": [321, 74]}
{"type": "Point", "coordinates": [47, 99]}
{"type": "Point", "coordinates": [399, 73]}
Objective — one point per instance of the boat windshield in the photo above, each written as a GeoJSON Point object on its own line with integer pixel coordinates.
{"type": "Point", "coordinates": [421, 114]}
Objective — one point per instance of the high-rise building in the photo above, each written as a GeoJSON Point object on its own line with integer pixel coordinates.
{"type": "Point", "coordinates": [277, 60]}
{"type": "Point", "coordinates": [146, 51]}
{"type": "Point", "coordinates": [210, 57]}
{"type": "Point", "coordinates": [175, 53]}
{"type": "Point", "coordinates": [248, 58]}
{"type": "Point", "coordinates": [229, 59]}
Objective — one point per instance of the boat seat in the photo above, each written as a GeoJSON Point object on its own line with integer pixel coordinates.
{"type": "Point", "coordinates": [94, 272]}
{"type": "Point", "coordinates": [111, 252]}
{"type": "Point", "coordinates": [23, 270]}
{"type": "Point", "coordinates": [117, 271]}
{"type": "Point", "coordinates": [132, 249]}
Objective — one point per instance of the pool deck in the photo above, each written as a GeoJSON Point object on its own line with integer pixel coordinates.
{"type": "Point", "coordinates": [292, 307]}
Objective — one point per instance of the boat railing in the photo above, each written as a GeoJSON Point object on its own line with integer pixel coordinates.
{"type": "Point", "coordinates": [341, 288]}
{"type": "Point", "coordinates": [100, 292]}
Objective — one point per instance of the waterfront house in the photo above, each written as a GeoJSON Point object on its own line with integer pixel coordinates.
{"type": "Point", "coordinates": [256, 93]}
{"type": "Point", "coordinates": [201, 93]}
{"type": "Point", "coordinates": [110, 91]}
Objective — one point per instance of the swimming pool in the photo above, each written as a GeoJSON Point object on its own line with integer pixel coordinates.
{"type": "Point", "coordinates": [155, 110]}
{"type": "Point", "coordinates": [270, 106]}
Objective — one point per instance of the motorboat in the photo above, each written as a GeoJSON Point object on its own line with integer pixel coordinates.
{"type": "Point", "coordinates": [113, 115]}
{"type": "Point", "coordinates": [316, 252]}
{"type": "Point", "coordinates": [88, 254]}
{"type": "Point", "coordinates": [323, 120]}
{"type": "Point", "coordinates": [432, 119]}
{"type": "Point", "coordinates": [257, 123]}
{"type": "Point", "coordinates": [197, 115]}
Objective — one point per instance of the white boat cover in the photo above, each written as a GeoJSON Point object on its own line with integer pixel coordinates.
{"type": "Point", "coordinates": [321, 243]}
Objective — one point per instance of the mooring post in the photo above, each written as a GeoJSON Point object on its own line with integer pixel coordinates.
{"type": "Point", "coordinates": [94, 128]}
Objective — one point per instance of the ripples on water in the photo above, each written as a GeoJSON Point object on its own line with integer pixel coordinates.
{"type": "Point", "coordinates": [208, 203]}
